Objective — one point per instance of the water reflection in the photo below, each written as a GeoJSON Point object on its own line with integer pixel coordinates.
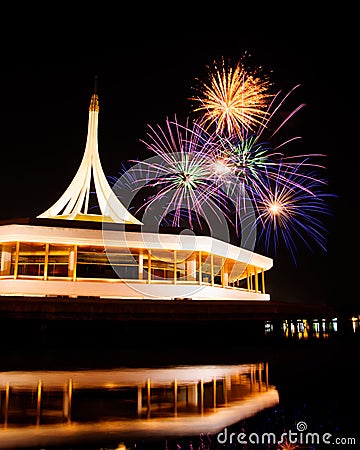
{"type": "Point", "coordinates": [41, 408]}
{"type": "Point", "coordinates": [355, 321]}
{"type": "Point", "coordinates": [304, 328]}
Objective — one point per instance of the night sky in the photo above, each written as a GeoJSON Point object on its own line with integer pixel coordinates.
{"type": "Point", "coordinates": [142, 79]}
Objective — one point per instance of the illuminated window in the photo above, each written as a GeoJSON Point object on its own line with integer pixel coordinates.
{"type": "Point", "coordinates": [58, 260]}
{"type": "Point", "coordinates": [96, 262]}
{"type": "Point", "coordinates": [162, 265]}
{"type": "Point", "coordinates": [125, 263]}
{"type": "Point", "coordinates": [205, 268]}
{"type": "Point", "coordinates": [187, 266]}
{"type": "Point", "coordinates": [31, 260]}
{"type": "Point", "coordinates": [92, 262]}
{"type": "Point", "coordinates": [217, 268]}
{"type": "Point", "coordinates": [6, 250]}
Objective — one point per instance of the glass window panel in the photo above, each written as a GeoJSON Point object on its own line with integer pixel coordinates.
{"type": "Point", "coordinates": [162, 270]}
{"type": "Point", "coordinates": [6, 252]}
{"type": "Point", "coordinates": [100, 263]}
{"type": "Point", "coordinates": [205, 268]}
{"type": "Point", "coordinates": [217, 266]}
{"type": "Point", "coordinates": [58, 260]}
{"type": "Point", "coordinates": [162, 255]}
{"type": "Point", "coordinates": [124, 262]}
{"type": "Point", "coordinates": [31, 259]}
{"type": "Point", "coordinates": [187, 266]}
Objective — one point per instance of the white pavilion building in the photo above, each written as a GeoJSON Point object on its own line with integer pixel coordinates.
{"type": "Point", "coordinates": [67, 252]}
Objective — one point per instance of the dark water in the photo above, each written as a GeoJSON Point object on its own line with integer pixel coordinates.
{"type": "Point", "coordinates": [299, 388]}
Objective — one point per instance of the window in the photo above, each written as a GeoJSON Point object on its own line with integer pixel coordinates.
{"type": "Point", "coordinates": [58, 260]}
{"type": "Point", "coordinates": [95, 262]}
{"type": "Point", "coordinates": [31, 260]}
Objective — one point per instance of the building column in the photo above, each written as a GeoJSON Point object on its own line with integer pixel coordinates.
{"type": "Point", "coordinates": [149, 267]}
{"type": "Point", "coordinates": [175, 397]}
{"type": "Point", "coordinates": [72, 263]}
{"type": "Point", "coordinates": [248, 280]}
{"type": "Point", "coordinates": [200, 268]}
{"type": "Point", "coordinates": [224, 274]}
{"type": "Point", "coordinates": [212, 269]}
{"type": "Point", "coordinates": [141, 264]}
{"type": "Point", "coordinates": [46, 262]}
{"type": "Point", "coordinates": [202, 396]}
{"type": "Point", "coordinates": [16, 265]}
{"type": "Point", "coordinates": [174, 262]}
{"type": "Point", "coordinates": [148, 390]}
{"type": "Point", "coordinates": [256, 280]}
{"type": "Point", "coordinates": [190, 265]}
{"type": "Point", "coordinates": [214, 393]}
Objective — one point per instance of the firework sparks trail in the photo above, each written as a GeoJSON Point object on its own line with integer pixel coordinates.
{"type": "Point", "coordinates": [244, 160]}
{"type": "Point", "coordinates": [289, 208]}
{"type": "Point", "coordinates": [183, 172]}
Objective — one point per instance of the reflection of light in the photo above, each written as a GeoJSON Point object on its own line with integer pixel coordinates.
{"type": "Point", "coordinates": [180, 401]}
{"type": "Point", "coordinates": [285, 445]}
{"type": "Point", "coordinates": [121, 446]}
{"type": "Point", "coordinates": [334, 324]}
{"type": "Point", "coordinates": [304, 329]}
{"type": "Point", "coordinates": [269, 327]}
{"type": "Point", "coordinates": [292, 328]}
{"type": "Point", "coordinates": [316, 329]}
{"type": "Point", "coordinates": [355, 323]}
{"type": "Point", "coordinates": [323, 325]}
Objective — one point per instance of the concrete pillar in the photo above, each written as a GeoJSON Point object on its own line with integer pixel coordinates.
{"type": "Point", "coordinates": [141, 264]}
{"type": "Point", "coordinates": [191, 269]}
{"type": "Point", "coordinates": [72, 263]}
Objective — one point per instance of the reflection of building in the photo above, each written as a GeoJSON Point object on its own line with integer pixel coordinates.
{"type": "Point", "coordinates": [69, 251]}
{"type": "Point", "coordinates": [44, 406]}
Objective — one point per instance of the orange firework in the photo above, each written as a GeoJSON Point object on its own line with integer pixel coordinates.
{"type": "Point", "coordinates": [234, 99]}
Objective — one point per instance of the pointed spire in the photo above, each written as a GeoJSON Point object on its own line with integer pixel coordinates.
{"type": "Point", "coordinates": [94, 103]}
{"type": "Point", "coordinates": [74, 203]}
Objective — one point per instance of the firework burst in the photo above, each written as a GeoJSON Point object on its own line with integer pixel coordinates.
{"type": "Point", "coordinates": [290, 208]}
{"type": "Point", "coordinates": [181, 174]}
{"type": "Point", "coordinates": [233, 99]}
